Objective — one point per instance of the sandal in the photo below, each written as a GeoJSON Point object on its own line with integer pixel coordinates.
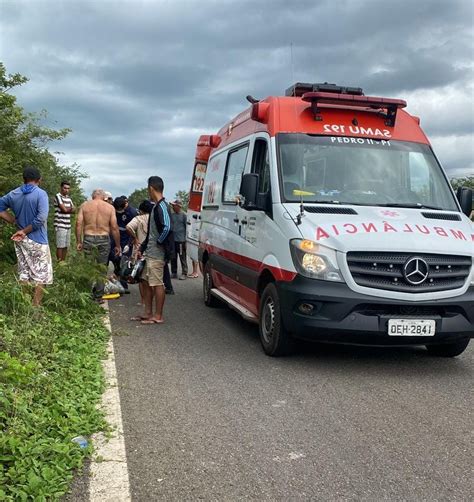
{"type": "Point", "coordinates": [152, 321]}
{"type": "Point", "coordinates": [193, 276]}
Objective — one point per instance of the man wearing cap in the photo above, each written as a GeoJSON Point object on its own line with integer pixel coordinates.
{"type": "Point", "coordinates": [108, 197]}
{"type": "Point", "coordinates": [178, 218]}
{"type": "Point", "coordinates": [30, 205]}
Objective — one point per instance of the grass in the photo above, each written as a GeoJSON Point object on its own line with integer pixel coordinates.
{"type": "Point", "coordinates": [51, 381]}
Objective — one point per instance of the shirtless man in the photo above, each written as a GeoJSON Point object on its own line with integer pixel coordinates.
{"type": "Point", "coordinates": [96, 220]}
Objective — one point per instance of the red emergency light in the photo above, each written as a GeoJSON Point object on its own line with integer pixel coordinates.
{"type": "Point", "coordinates": [328, 98]}
{"type": "Point", "coordinates": [213, 140]}
{"type": "Point", "coordinates": [260, 111]}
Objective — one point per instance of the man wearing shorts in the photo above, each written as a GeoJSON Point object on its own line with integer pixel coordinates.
{"type": "Point", "coordinates": [96, 221]}
{"type": "Point", "coordinates": [155, 251]}
{"type": "Point", "coordinates": [30, 205]}
{"type": "Point", "coordinates": [63, 208]}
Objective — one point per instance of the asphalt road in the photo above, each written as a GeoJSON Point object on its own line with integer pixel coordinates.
{"type": "Point", "coordinates": [207, 416]}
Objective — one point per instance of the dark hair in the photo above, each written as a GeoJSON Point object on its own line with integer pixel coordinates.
{"type": "Point", "coordinates": [119, 203]}
{"type": "Point", "coordinates": [157, 183]}
{"type": "Point", "coordinates": [65, 183]}
{"type": "Point", "coordinates": [30, 173]}
{"type": "Point", "coordinates": [145, 207]}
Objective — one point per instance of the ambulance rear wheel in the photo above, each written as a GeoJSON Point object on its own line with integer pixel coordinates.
{"type": "Point", "coordinates": [448, 349]}
{"type": "Point", "coordinates": [209, 299]}
{"type": "Point", "coordinates": [275, 339]}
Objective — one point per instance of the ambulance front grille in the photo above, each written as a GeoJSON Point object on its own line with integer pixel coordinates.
{"type": "Point", "coordinates": [409, 273]}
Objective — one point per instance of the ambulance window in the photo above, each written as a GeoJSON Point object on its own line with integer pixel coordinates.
{"type": "Point", "coordinates": [233, 176]}
{"type": "Point", "coordinates": [261, 165]}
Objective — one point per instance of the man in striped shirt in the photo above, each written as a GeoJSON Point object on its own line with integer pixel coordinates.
{"type": "Point", "coordinates": [63, 208]}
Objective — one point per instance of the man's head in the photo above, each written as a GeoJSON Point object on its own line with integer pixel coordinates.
{"type": "Point", "coordinates": [145, 207]}
{"type": "Point", "coordinates": [177, 205]}
{"type": "Point", "coordinates": [31, 175]}
{"type": "Point", "coordinates": [108, 197]}
{"type": "Point", "coordinates": [65, 187]}
{"type": "Point", "coordinates": [126, 200]}
{"type": "Point", "coordinates": [155, 188]}
{"type": "Point", "coordinates": [119, 204]}
{"type": "Point", "coordinates": [98, 193]}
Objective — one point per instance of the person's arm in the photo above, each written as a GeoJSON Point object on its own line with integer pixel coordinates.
{"type": "Point", "coordinates": [131, 229]}
{"type": "Point", "coordinates": [4, 205]}
{"type": "Point", "coordinates": [79, 225]}
{"type": "Point", "coordinates": [163, 222]}
{"type": "Point", "coordinates": [114, 230]}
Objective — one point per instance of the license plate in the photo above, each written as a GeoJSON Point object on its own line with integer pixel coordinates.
{"type": "Point", "coordinates": [411, 327]}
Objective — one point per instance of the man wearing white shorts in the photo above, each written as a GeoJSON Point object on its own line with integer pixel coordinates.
{"type": "Point", "coordinates": [63, 208]}
{"type": "Point", "coordinates": [30, 206]}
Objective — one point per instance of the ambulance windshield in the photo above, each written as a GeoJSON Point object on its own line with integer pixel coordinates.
{"type": "Point", "coordinates": [361, 171]}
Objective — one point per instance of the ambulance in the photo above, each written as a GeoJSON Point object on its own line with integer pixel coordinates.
{"type": "Point", "coordinates": [325, 215]}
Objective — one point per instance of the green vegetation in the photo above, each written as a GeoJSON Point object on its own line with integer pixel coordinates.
{"type": "Point", "coordinates": [50, 382]}
{"type": "Point", "coordinates": [141, 194]}
{"type": "Point", "coordinates": [50, 358]}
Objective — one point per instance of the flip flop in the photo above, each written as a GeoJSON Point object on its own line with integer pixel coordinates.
{"type": "Point", "coordinates": [138, 318]}
{"type": "Point", "coordinates": [193, 276]}
{"type": "Point", "coordinates": [152, 321]}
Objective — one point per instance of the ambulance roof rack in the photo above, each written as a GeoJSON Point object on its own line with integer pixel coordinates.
{"type": "Point", "coordinates": [390, 105]}
{"type": "Point", "coordinates": [300, 88]}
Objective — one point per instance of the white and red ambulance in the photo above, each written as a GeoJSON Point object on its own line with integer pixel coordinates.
{"type": "Point", "coordinates": [325, 215]}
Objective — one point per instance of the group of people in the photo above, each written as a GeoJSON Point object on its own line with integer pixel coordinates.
{"type": "Point", "coordinates": [107, 230]}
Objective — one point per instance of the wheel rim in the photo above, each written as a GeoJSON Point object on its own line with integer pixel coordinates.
{"type": "Point", "coordinates": [268, 320]}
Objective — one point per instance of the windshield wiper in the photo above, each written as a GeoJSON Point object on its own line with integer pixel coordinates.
{"type": "Point", "coordinates": [414, 205]}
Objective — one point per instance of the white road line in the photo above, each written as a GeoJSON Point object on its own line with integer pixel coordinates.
{"type": "Point", "coordinates": [108, 470]}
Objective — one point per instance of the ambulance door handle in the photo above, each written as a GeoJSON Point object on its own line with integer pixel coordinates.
{"type": "Point", "coordinates": [189, 223]}
{"type": "Point", "coordinates": [244, 222]}
{"type": "Point", "coordinates": [195, 216]}
{"type": "Point", "coordinates": [236, 220]}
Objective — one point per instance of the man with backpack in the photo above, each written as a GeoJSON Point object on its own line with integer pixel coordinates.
{"type": "Point", "coordinates": [157, 250]}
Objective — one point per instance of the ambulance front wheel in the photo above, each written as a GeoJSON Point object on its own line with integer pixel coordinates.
{"type": "Point", "coordinates": [275, 339]}
{"type": "Point", "coordinates": [209, 299]}
{"type": "Point", "coordinates": [448, 349]}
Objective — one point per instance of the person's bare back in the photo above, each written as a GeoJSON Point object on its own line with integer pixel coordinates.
{"type": "Point", "coordinates": [97, 218]}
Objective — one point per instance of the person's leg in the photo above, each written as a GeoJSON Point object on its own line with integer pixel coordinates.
{"type": "Point", "coordinates": [160, 294]}
{"type": "Point", "coordinates": [183, 258]}
{"type": "Point", "coordinates": [38, 295]}
{"type": "Point", "coordinates": [174, 266]}
{"type": "Point", "coordinates": [148, 300]}
{"type": "Point", "coordinates": [167, 279]}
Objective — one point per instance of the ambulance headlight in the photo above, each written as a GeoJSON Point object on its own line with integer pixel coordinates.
{"type": "Point", "coordinates": [315, 261]}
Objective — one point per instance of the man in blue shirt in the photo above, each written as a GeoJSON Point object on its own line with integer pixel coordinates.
{"type": "Point", "coordinates": [30, 207]}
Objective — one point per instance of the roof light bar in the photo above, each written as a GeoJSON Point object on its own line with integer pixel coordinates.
{"type": "Point", "coordinates": [300, 88]}
{"type": "Point", "coordinates": [390, 105]}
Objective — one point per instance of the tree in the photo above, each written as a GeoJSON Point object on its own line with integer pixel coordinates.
{"type": "Point", "coordinates": [467, 181]}
{"type": "Point", "coordinates": [183, 196]}
{"type": "Point", "coordinates": [138, 196]}
{"type": "Point", "coordinates": [24, 140]}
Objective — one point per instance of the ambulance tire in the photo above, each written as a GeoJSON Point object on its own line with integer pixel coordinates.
{"type": "Point", "coordinates": [275, 339]}
{"type": "Point", "coordinates": [448, 349]}
{"type": "Point", "coordinates": [207, 285]}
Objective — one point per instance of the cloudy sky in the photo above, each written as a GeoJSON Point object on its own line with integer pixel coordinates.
{"type": "Point", "coordinates": [139, 81]}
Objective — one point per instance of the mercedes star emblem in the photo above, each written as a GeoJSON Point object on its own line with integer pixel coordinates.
{"type": "Point", "coordinates": [416, 271]}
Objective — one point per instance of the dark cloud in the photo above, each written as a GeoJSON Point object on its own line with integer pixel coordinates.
{"type": "Point", "coordinates": [139, 81]}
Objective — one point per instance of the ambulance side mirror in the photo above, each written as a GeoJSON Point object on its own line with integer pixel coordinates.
{"type": "Point", "coordinates": [464, 196]}
{"type": "Point", "coordinates": [248, 191]}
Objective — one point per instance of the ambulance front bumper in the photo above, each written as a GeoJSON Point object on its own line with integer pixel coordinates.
{"type": "Point", "coordinates": [328, 311]}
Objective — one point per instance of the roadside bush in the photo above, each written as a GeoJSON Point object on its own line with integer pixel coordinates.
{"type": "Point", "coordinates": [50, 381]}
